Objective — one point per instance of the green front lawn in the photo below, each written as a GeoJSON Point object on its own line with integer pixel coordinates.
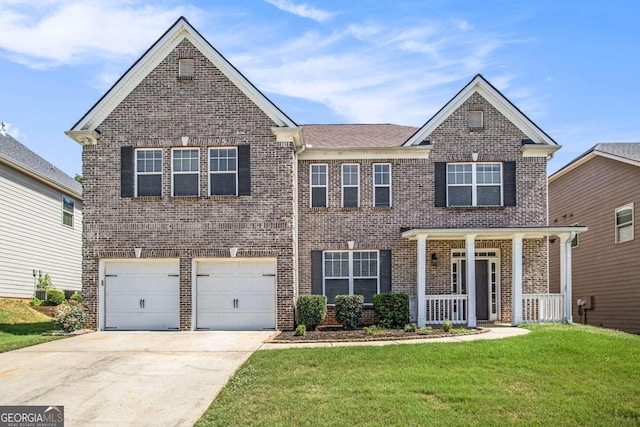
{"type": "Point", "coordinates": [556, 375]}
{"type": "Point", "coordinates": [21, 326]}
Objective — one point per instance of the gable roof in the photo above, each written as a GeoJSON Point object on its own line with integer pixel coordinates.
{"type": "Point", "coordinates": [180, 30]}
{"type": "Point", "coordinates": [626, 152]}
{"type": "Point", "coordinates": [356, 135]}
{"type": "Point", "coordinates": [20, 157]}
{"type": "Point", "coordinates": [482, 86]}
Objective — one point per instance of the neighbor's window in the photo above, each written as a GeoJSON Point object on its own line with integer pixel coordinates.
{"type": "Point", "coordinates": [223, 171]}
{"type": "Point", "coordinates": [67, 210]}
{"type": "Point", "coordinates": [350, 186]}
{"type": "Point", "coordinates": [624, 224]}
{"type": "Point", "coordinates": [351, 273]}
{"type": "Point", "coordinates": [318, 176]}
{"type": "Point", "coordinates": [185, 172]}
{"type": "Point", "coordinates": [474, 184]}
{"type": "Point", "coordinates": [381, 184]}
{"type": "Point", "coordinates": [148, 173]}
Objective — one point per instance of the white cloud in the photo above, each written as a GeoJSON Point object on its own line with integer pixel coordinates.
{"type": "Point", "coordinates": [9, 129]}
{"type": "Point", "coordinates": [302, 10]}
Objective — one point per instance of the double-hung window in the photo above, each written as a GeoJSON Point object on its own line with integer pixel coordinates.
{"type": "Point", "coordinates": [474, 184]}
{"type": "Point", "coordinates": [381, 185]}
{"type": "Point", "coordinates": [318, 182]}
{"type": "Point", "coordinates": [351, 273]}
{"type": "Point", "coordinates": [148, 182]}
{"type": "Point", "coordinates": [223, 171]}
{"type": "Point", "coordinates": [67, 210]}
{"type": "Point", "coordinates": [350, 185]}
{"type": "Point", "coordinates": [185, 171]}
{"type": "Point", "coordinates": [624, 224]}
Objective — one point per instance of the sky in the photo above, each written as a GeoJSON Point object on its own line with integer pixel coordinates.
{"type": "Point", "coordinates": [570, 66]}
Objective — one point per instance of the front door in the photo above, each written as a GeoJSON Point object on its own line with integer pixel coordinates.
{"type": "Point", "coordinates": [482, 286]}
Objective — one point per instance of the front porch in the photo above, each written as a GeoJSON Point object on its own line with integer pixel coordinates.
{"type": "Point", "coordinates": [490, 284]}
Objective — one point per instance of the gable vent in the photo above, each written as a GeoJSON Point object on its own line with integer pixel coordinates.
{"type": "Point", "coordinates": [476, 120]}
{"type": "Point", "coordinates": [186, 68]}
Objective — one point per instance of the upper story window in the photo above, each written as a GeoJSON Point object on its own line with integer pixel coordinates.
{"type": "Point", "coordinates": [185, 167]}
{"type": "Point", "coordinates": [474, 184]}
{"type": "Point", "coordinates": [351, 273]}
{"type": "Point", "coordinates": [381, 184]}
{"type": "Point", "coordinates": [223, 171]}
{"type": "Point", "coordinates": [318, 193]}
{"type": "Point", "coordinates": [350, 185]}
{"type": "Point", "coordinates": [624, 224]}
{"type": "Point", "coordinates": [476, 119]}
{"type": "Point", "coordinates": [67, 210]}
{"type": "Point", "coordinates": [148, 170]}
{"type": "Point", "coordinates": [186, 68]}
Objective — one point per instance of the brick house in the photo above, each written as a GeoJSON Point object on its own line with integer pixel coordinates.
{"type": "Point", "coordinates": [207, 207]}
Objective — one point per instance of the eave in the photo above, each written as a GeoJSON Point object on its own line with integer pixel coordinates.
{"type": "Point", "coordinates": [41, 178]}
{"type": "Point", "coordinates": [358, 153]}
{"type": "Point", "coordinates": [539, 150]}
{"type": "Point", "coordinates": [490, 233]}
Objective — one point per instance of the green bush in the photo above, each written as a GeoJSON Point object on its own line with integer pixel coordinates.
{"type": "Point", "coordinates": [392, 309]}
{"type": "Point", "coordinates": [311, 310]}
{"type": "Point", "coordinates": [76, 297]}
{"type": "Point", "coordinates": [54, 297]}
{"type": "Point", "coordinates": [44, 282]}
{"type": "Point", "coordinates": [35, 302]}
{"type": "Point", "coordinates": [447, 325]}
{"type": "Point", "coordinates": [349, 310]}
{"type": "Point", "coordinates": [70, 317]}
{"type": "Point", "coordinates": [301, 331]}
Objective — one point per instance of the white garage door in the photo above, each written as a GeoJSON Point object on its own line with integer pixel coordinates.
{"type": "Point", "coordinates": [142, 295]}
{"type": "Point", "coordinates": [236, 294]}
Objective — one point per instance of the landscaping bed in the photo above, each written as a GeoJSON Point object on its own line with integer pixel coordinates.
{"type": "Point", "coordinates": [338, 333]}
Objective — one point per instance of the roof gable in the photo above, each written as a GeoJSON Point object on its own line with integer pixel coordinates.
{"type": "Point", "coordinates": [180, 30]}
{"type": "Point", "coordinates": [481, 86]}
{"type": "Point", "coordinates": [625, 152]}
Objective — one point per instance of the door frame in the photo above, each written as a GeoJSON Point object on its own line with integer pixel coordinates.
{"type": "Point", "coordinates": [493, 257]}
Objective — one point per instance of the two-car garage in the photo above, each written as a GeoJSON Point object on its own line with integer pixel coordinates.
{"type": "Point", "coordinates": [227, 294]}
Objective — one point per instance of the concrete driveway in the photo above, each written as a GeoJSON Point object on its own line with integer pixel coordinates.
{"type": "Point", "coordinates": [126, 378]}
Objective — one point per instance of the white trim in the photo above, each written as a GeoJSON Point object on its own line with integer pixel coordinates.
{"type": "Point", "coordinates": [374, 185]}
{"type": "Point", "coordinates": [71, 212]}
{"type": "Point", "coordinates": [489, 233]}
{"type": "Point", "coordinates": [173, 150]}
{"type": "Point", "coordinates": [312, 186]}
{"type": "Point", "coordinates": [537, 150]}
{"type": "Point", "coordinates": [421, 278]}
{"type": "Point", "coordinates": [357, 153]}
{"type": "Point", "coordinates": [516, 278]}
{"type": "Point", "coordinates": [136, 173]}
{"type": "Point", "coordinates": [626, 224]}
{"type": "Point", "coordinates": [343, 186]}
{"type": "Point", "coordinates": [495, 259]}
{"type": "Point", "coordinates": [585, 158]}
{"type": "Point", "coordinates": [496, 99]}
{"type": "Point", "coordinates": [470, 248]}
{"type": "Point", "coordinates": [209, 172]}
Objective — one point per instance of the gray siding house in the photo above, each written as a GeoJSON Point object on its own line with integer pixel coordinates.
{"type": "Point", "coordinates": [40, 222]}
{"type": "Point", "coordinates": [207, 207]}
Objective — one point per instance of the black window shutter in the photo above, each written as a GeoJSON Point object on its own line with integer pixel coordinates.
{"type": "Point", "coordinates": [126, 171]}
{"type": "Point", "coordinates": [316, 272]}
{"type": "Point", "coordinates": [440, 175]}
{"type": "Point", "coordinates": [244, 170]}
{"type": "Point", "coordinates": [385, 270]}
{"type": "Point", "coordinates": [509, 172]}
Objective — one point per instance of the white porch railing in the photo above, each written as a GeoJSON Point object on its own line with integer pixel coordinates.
{"type": "Point", "coordinates": [543, 308]}
{"type": "Point", "coordinates": [446, 307]}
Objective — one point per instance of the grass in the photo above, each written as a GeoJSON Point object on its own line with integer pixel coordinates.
{"type": "Point", "coordinates": [21, 326]}
{"type": "Point", "coordinates": [556, 375]}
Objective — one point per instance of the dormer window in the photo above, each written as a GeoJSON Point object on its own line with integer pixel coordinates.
{"type": "Point", "coordinates": [186, 68]}
{"type": "Point", "coordinates": [476, 120]}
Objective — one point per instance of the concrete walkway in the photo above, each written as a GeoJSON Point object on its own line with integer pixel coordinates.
{"type": "Point", "coordinates": [495, 332]}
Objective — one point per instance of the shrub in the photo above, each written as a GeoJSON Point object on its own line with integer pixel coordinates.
{"type": "Point", "coordinates": [392, 309]}
{"type": "Point", "coordinates": [349, 310]}
{"type": "Point", "coordinates": [35, 302]}
{"type": "Point", "coordinates": [70, 317]}
{"type": "Point", "coordinates": [446, 326]}
{"type": "Point", "coordinates": [301, 330]}
{"type": "Point", "coordinates": [374, 330]}
{"type": "Point", "coordinates": [44, 282]}
{"type": "Point", "coordinates": [410, 327]}
{"type": "Point", "coordinates": [311, 310]}
{"type": "Point", "coordinates": [76, 297]}
{"type": "Point", "coordinates": [425, 330]}
{"type": "Point", "coordinates": [55, 297]}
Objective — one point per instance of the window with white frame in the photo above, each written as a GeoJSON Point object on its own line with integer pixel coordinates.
{"type": "Point", "coordinates": [67, 210]}
{"type": "Point", "coordinates": [148, 173]}
{"type": "Point", "coordinates": [474, 184]}
{"type": "Point", "coordinates": [318, 194]}
{"type": "Point", "coordinates": [351, 273]}
{"type": "Point", "coordinates": [223, 171]}
{"type": "Point", "coordinates": [185, 172]}
{"type": "Point", "coordinates": [624, 224]}
{"type": "Point", "coordinates": [381, 184]}
{"type": "Point", "coordinates": [350, 185]}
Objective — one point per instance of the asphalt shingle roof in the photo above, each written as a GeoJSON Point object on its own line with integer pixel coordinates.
{"type": "Point", "coordinates": [628, 150]}
{"type": "Point", "coordinates": [358, 135]}
{"type": "Point", "coordinates": [14, 152]}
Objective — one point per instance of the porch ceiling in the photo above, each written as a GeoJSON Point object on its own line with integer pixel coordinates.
{"type": "Point", "coordinates": [490, 233]}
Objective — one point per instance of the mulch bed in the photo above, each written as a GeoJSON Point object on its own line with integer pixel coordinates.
{"type": "Point", "coordinates": [338, 334]}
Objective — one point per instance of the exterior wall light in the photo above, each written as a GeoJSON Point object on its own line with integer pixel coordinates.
{"type": "Point", "coordinates": [434, 259]}
{"type": "Point", "coordinates": [233, 252]}
{"type": "Point", "coordinates": [351, 244]}
{"type": "Point", "coordinates": [137, 252]}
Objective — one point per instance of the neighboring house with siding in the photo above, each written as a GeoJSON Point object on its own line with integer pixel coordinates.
{"type": "Point", "coordinates": [207, 207]}
{"type": "Point", "coordinates": [601, 190]}
{"type": "Point", "coordinates": [40, 222]}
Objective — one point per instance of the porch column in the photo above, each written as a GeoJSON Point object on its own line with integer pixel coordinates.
{"type": "Point", "coordinates": [516, 278]}
{"type": "Point", "coordinates": [471, 279]}
{"type": "Point", "coordinates": [422, 266]}
{"type": "Point", "coordinates": [565, 273]}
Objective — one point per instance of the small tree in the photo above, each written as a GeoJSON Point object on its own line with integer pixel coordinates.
{"type": "Point", "coordinates": [349, 310]}
{"type": "Point", "coordinates": [44, 282]}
